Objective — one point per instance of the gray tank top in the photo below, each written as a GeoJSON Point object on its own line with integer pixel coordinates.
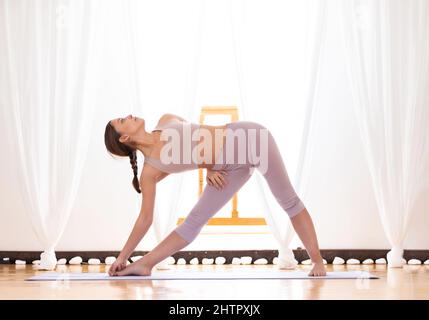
{"type": "Point", "coordinates": [183, 132]}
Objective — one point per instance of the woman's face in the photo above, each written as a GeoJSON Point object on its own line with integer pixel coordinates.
{"type": "Point", "coordinates": [128, 126]}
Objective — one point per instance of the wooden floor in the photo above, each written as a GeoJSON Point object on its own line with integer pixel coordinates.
{"type": "Point", "coordinates": [410, 282]}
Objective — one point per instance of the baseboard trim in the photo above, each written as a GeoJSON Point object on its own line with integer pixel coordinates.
{"type": "Point", "coordinates": [300, 254]}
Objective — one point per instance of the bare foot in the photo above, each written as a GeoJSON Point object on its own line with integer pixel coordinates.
{"type": "Point", "coordinates": [135, 269]}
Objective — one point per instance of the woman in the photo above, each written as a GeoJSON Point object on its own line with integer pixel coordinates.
{"type": "Point", "coordinates": [125, 136]}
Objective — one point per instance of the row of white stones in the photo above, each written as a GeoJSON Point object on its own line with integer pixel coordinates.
{"type": "Point", "coordinates": [221, 260]}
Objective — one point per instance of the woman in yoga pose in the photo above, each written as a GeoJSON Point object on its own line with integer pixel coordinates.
{"type": "Point", "coordinates": [125, 136]}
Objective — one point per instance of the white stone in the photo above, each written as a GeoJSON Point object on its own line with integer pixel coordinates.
{"type": "Point", "coordinates": [208, 261]}
{"type": "Point", "coordinates": [128, 263]}
{"type": "Point", "coordinates": [163, 265]}
{"type": "Point", "coordinates": [381, 261]}
{"type": "Point", "coordinates": [220, 260]}
{"type": "Point", "coordinates": [276, 260]}
{"type": "Point", "coordinates": [76, 260]}
{"type": "Point", "coordinates": [94, 261]}
{"type": "Point", "coordinates": [368, 261]}
{"type": "Point", "coordinates": [135, 258]}
{"type": "Point", "coordinates": [426, 262]}
{"type": "Point", "coordinates": [171, 260]}
{"type": "Point", "coordinates": [261, 261]}
{"type": "Point", "coordinates": [6, 259]}
{"type": "Point", "coordinates": [194, 261]}
{"type": "Point", "coordinates": [20, 262]}
{"type": "Point", "coordinates": [246, 260]}
{"type": "Point", "coordinates": [414, 261]}
{"type": "Point", "coordinates": [352, 261]}
{"type": "Point", "coordinates": [181, 261]}
{"type": "Point", "coordinates": [338, 260]}
{"type": "Point", "coordinates": [36, 262]}
{"type": "Point", "coordinates": [62, 261]}
{"type": "Point", "coordinates": [109, 260]}
{"type": "Point", "coordinates": [236, 260]}
{"type": "Point", "coordinates": [309, 262]}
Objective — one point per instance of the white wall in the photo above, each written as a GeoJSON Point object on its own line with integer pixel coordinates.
{"type": "Point", "coordinates": [340, 197]}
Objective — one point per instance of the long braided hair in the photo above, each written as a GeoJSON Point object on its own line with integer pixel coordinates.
{"type": "Point", "coordinates": [114, 146]}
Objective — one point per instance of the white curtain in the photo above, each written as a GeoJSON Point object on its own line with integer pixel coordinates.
{"type": "Point", "coordinates": [387, 51]}
{"type": "Point", "coordinates": [277, 219]}
{"type": "Point", "coordinates": [171, 189]}
{"type": "Point", "coordinates": [50, 70]}
{"type": "Point", "coordinates": [165, 219]}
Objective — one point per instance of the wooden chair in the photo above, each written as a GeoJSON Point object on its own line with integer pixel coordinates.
{"type": "Point", "coordinates": [235, 219]}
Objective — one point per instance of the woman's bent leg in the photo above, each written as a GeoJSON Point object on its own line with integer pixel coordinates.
{"type": "Point", "coordinates": [282, 189]}
{"type": "Point", "coordinates": [279, 182]}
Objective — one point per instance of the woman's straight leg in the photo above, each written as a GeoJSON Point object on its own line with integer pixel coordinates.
{"type": "Point", "coordinates": [211, 201]}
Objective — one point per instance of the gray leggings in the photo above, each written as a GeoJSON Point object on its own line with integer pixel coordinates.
{"type": "Point", "coordinates": [212, 199]}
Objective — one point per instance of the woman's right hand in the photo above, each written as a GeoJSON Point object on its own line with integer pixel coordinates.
{"type": "Point", "coordinates": [119, 265]}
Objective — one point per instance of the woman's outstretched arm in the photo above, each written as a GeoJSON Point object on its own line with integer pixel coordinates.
{"type": "Point", "coordinates": [141, 226]}
{"type": "Point", "coordinates": [144, 221]}
{"type": "Point", "coordinates": [148, 179]}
